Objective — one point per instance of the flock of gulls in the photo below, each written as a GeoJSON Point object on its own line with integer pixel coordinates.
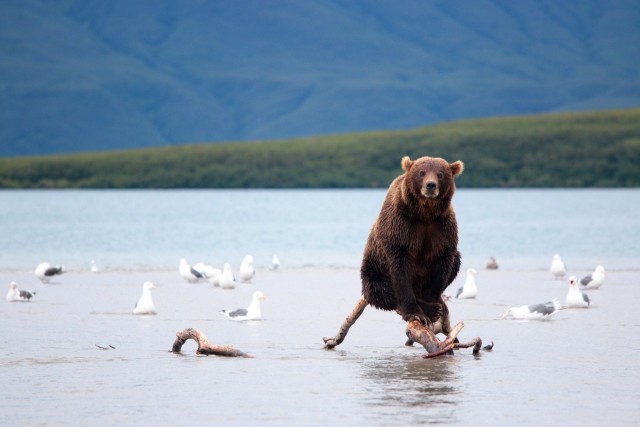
{"type": "Point", "coordinates": [224, 278]}
{"type": "Point", "coordinates": [44, 271]}
{"type": "Point", "coordinates": [575, 298]}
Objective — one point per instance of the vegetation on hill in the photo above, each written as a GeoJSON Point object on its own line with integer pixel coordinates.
{"type": "Point", "coordinates": [598, 149]}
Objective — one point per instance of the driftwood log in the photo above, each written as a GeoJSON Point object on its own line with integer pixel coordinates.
{"type": "Point", "coordinates": [416, 332]}
{"type": "Point", "coordinates": [330, 343]}
{"type": "Point", "coordinates": [204, 346]}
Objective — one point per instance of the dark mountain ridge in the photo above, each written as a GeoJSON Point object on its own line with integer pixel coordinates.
{"type": "Point", "coordinates": [100, 74]}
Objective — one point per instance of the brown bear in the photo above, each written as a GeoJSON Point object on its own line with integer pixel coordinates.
{"type": "Point", "coordinates": [412, 254]}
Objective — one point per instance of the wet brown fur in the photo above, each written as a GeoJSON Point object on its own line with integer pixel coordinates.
{"type": "Point", "coordinates": [411, 255]}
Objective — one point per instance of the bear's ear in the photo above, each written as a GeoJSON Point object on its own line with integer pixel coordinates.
{"type": "Point", "coordinates": [456, 168]}
{"type": "Point", "coordinates": [406, 163]}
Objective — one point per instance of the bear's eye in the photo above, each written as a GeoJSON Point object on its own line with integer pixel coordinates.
{"type": "Point", "coordinates": [421, 173]}
{"type": "Point", "coordinates": [440, 175]}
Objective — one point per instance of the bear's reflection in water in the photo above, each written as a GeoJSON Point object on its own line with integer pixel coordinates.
{"type": "Point", "coordinates": [412, 382]}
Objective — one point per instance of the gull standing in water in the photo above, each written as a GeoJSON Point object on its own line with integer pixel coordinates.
{"type": "Point", "coordinates": [558, 268]}
{"type": "Point", "coordinates": [44, 271]}
{"type": "Point", "coordinates": [15, 294]}
{"type": "Point", "coordinates": [189, 273]}
{"type": "Point", "coordinates": [575, 297]}
{"type": "Point", "coordinates": [247, 272]}
{"type": "Point", "coordinates": [94, 267]}
{"type": "Point", "coordinates": [210, 273]}
{"type": "Point", "coordinates": [469, 290]}
{"type": "Point", "coordinates": [595, 279]}
{"type": "Point", "coordinates": [275, 262]}
{"type": "Point", "coordinates": [250, 313]}
{"type": "Point", "coordinates": [532, 312]}
{"type": "Point", "coordinates": [227, 279]}
{"type": "Point", "coordinates": [145, 303]}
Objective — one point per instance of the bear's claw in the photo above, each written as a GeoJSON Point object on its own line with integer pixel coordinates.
{"type": "Point", "coordinates": [413, 316]}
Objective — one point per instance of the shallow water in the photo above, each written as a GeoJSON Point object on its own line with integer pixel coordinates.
{"type": "Point", "coordinates": [123, 229]}
{"type": "Point", "coordinates": [579, 368]}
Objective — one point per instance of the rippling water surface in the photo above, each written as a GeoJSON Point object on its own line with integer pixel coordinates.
{"type": "Point", "coordinates": [154, 229]}
{"type": "Point", "coordinates": [579, 368]}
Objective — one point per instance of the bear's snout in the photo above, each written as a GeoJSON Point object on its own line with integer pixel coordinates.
{"type": "Point", "coordinates": [430, 189]}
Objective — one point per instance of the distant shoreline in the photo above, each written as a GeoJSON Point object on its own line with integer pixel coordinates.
{"type": "Point", "coordinates": [561, 150]}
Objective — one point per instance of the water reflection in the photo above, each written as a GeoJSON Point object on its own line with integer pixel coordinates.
{"type": "Point", "coordinates": [427, 387]}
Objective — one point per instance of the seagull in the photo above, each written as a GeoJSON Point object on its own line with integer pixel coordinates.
{"type": "Point", "coordinates": [94, 267]}
{"type": "Point", "coordinates": [492, 264]}
{"type": "Point", "coordinates": [250, 313]}
{"type": "Point", "coordinates": [44, 271]}
{"type": "Point", "coordinates": [210, 273]}
{"type": "Point", "coordinates": [558, 269]}
{"type": "Point", "coordinates": [189, 273]}
{"type": "Point", "coordinates": [246, 269]}
{"type": "Point", "coordinates": [469, 290]}
{"type": "Point", "coordinates": [595, 279]}
{"type": "Point", "coordinates": [275, 262]}
{"type": "Point", "coordinates": [227, 280]}
{"type": "Point", "coordinates": [575, 297]}
{"type": "Point", "coordinates": [534, 311]}
{"type": "Point", "coordinates": [201, 268]}
{"type": "Point", "coordinates": [145, 303]}
{"type": "Point", "coordinates": [213, 276]}
{"type": "Point", "coordinates": [15, 294]}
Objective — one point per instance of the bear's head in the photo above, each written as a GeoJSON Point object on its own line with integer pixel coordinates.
{"type": "Point", "coordinates": [431, 177]}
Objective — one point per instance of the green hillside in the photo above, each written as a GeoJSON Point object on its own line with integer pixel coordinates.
{"type": "Point", "coordinates": [600, 149]}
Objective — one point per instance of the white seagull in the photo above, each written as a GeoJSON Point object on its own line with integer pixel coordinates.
{"type": "Point", "coordinates": [44, 271]}
{"type": "Point", "coordinates": [15, 294]}
{"type": "Point", "coordinates": [227, 280]}
{"type": "Point", "coordinates": [558, 269]}
{"type": "Point", "coordinates": [189, 273]}
{"type": "Point", "coordinates": [595, 279]}
{"type": "Point", "coordinates": [575, 297]}
{"type": "Point", "coordinates": [145, 303]}
{"type": "Point", "coordinates": [533, 312]}
{"type": "Point", "coordinates": [201, 268]}
{"type": "Point", "coordinates": [250, 313]}
{"type": "Point", "coordinates": [247, 272]}
{"type": "Point", "coordinates": [469, 290]}
{"type": "Point", "coordinates": [94, 267]}
{"type": "Point", "coordinates": [275, 262]}
{"type": "Point", "coordinates": [211, 274]}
